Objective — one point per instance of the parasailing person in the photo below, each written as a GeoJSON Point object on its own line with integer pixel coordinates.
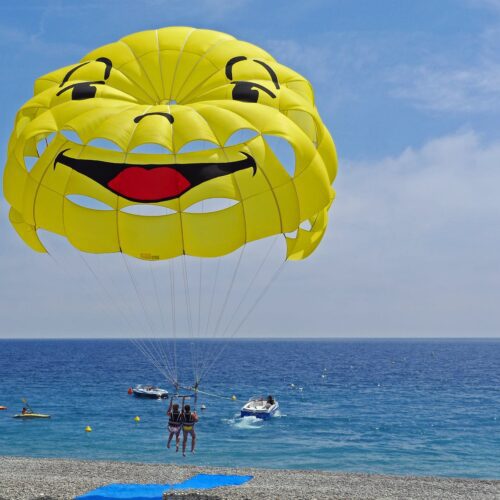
{"type": "Point", "coordinates": [174, 424]}
{"type": "Point", "coordinates": [189, 419]}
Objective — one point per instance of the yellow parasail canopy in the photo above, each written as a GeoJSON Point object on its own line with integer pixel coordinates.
{"type": "Point", "coordinates": [170, 87]}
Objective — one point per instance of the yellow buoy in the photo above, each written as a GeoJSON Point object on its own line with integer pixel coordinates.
{"type": "Point", "coordinates": [88, 428]}
{"type": "Point", "coordinates": [233, 397]}
{"type": "Point", "coordinates": [137, 419]}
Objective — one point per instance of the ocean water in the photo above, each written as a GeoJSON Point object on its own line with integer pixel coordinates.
{"type": "Point", "coordinates": [381, 406]}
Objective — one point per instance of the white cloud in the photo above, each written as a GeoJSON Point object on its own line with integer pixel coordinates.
{"type": "Point", "coordinates": [490, 4]}
{"type": "Point", "coordinates": [450, 89]}
{"type": "Point", "coordinates": [412, 248]}
{"type": "Point", "coordinates": [34, 43]}
{"type": "Point", "coordinates": [455, 73]}
{"type": "Point", "coordinates": [334, 63]}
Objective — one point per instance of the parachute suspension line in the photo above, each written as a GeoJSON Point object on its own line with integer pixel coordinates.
{"type": "Point", "coordinates": [152, 346]}
{"type": "Point", "coordinates": [250, 285]}
{"type": "Point", "coordinates": [211, 394]}
{"type": "Point", "coordinates": [149, 356]}
{"type": "Point", "coordinates": [105, 291]}
{"type": "Point", "coordinates": [189, 317]}
{"type": "Point", "coordinates": [102, 289]}
{"type": "Point", "coordinates": [200, 295]}
{"type": "Point", "coordinates": [151, 349]}
{"type": "Point", "coordinates": [229, 290]}
{"type": "Point", "coordinates": [210, 309]}
{"type": "Point", "coordinates": [163, 346]}
{"type": "Point", "coordinates": [260, 296]}
{"type": "Point", "coordinates": [224, 305]}
{"type": "Point", "coordinates": [89, 293]}
{"type": "Point", "coordinates": [115, 304]}
{"type": "Point", "coordinates": [174, 323]}
{"type": "Point", "coordinates": [249, 312]}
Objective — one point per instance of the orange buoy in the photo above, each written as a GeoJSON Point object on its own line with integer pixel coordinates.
{"type": "Point", "coordinates": [130, 391]}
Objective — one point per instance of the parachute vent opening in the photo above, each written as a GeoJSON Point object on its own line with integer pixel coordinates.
{"type": "Point", "coordinates": [148, 210]}
{"type": "Point", "coordinates": [104, 144]}
{"type": "Point", "coordinates": [88, 202]}
{"type": "Point", "coordinates": [42, 144]}
{"type": "Point", "coordinates": [240, 137]}
{"type": "Point", "coordinates": [284, 151]}
{"type": "Point", "coordinates": [211, 205]}
{"type": "Point", "coordinates": [194, 146]}
{"type": "Point", "coordinates": [152, 149]}
{"type": "Point", "coordinates": [305, 225]}
{"type": "Point", "coordinates": [29, 162]}
{"type": "Point", "coordinates": [71, 135]}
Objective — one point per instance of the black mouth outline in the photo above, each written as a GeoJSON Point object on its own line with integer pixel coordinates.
{"type": "Point", "coordinates": [104, 172]}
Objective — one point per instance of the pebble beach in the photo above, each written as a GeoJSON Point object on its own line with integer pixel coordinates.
{"type": "Point", "coordinates": [36, 478]}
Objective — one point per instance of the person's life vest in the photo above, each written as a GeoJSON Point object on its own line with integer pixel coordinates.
{"type": "Point", "coordinates": [188, 421]}
{"type": "Point", "coordinates": [174, 419]}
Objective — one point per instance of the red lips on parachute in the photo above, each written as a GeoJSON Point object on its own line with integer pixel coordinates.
{"type": "Point", "coordinates": [138, 183]}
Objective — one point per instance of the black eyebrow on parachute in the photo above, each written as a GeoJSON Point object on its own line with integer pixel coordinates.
{"type": "Point", "coordinates": [231, 63]}
{"type": "Point", "coordinates": [271, 72]}
{"type": "Point", "coordinates": [237, 59]}
{"type": "Point", "coordinates": [104, 60]}
{"type": "Point", "coordinates": [168, 116]}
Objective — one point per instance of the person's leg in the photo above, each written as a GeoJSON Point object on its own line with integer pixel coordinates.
{"type": "Point", "coordinates": [184, 441]}
{"type": "Point", "coordinates": [193, 440]}
{"type": "Point", "coordinates": [170, 436]}
{"type": "Point", "coordinates": [177, 440]}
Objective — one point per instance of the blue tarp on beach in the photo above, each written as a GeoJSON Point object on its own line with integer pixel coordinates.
{"type": "Point", "coordinates": [155, 491]}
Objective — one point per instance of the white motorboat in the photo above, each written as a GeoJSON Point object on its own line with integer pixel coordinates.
{"type": "Point", "coordinates": [260, 407]}
{"type": "Point", "coordinates": [149, 391]}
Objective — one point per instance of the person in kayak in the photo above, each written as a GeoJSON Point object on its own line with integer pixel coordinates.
{"type": "Point", "coordinates": [174, 424]}
{"type": "Point", "coordinates": [188, 422]}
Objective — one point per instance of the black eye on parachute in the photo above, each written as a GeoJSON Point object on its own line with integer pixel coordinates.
{"type": "Point", "coordinates": [245, 91]}
{"type": "Point", "coordinates": [85, 90]}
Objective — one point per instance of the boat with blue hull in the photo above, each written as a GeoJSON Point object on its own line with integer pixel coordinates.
{"type": "Point", "coordinates": [260, 407]}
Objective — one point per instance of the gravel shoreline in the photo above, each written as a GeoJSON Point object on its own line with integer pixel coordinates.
{"type": "Point", "coordinates": [37, 478]}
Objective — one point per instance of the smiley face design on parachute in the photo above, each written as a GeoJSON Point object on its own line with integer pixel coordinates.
{"type": "Point", "coordinates": [171, 88]}
{"type": "Point", "coordinates": [158, 182]}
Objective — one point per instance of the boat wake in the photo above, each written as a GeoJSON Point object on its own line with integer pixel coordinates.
{"type": "Point", "coordinates": [245, 422]}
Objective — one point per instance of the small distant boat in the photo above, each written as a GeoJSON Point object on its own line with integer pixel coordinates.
{"type": "Point", "coordinates": [260, 407]}
{"type": "Point", "coordinates": [3, 407]}
{"type": "Point", "coordinates": [28, 413]}
{"type": "Point", "coordinates": [29, 416]}
{"type": "Point", "coordinates": [149, 391]}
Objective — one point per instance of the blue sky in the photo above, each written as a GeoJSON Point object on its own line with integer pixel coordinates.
{"type": "Point", "coordinates": [411, 94]}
